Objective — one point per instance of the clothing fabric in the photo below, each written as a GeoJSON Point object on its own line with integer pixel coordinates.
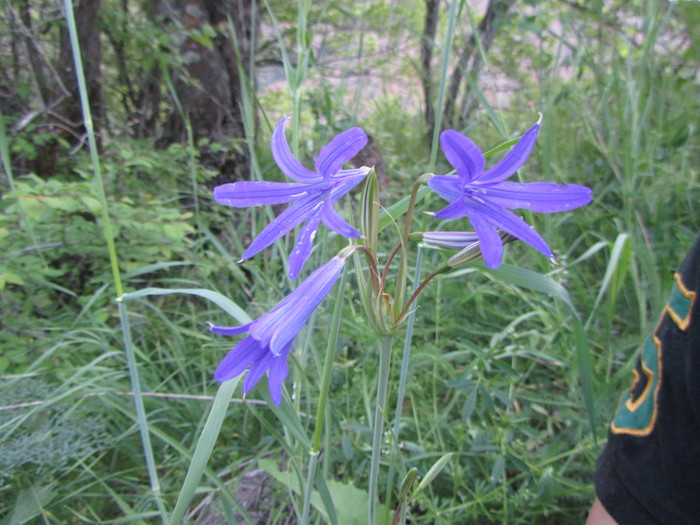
{"type": "Point", "coordinates": [649, 471]}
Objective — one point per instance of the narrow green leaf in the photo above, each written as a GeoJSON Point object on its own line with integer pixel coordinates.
{"type": "Point", "coordinates": [219, 300]}
{"type": "Point", "coordinates": [498, 470]}
{"type": "Point", "coordinates": [150, 268]}
{"type": "Point", "coordinates": [443, 81]}
{"type": "Point", "coordinates": [507, 144]}
{"type": "Point", "coordinates": [433, 472]}
{"type": "Point", "coordinates": [619, 254]}
{"type": "Point", "coordinates": [327, 499]}
{"type": "Point", "coordinates": [205, 446]}
{"type": "Point", "coordinates": [407, 483]}
{"type": "Point", "coordinates": [585, 370]}
{"type": "Point", "coordinates": [530, 280]}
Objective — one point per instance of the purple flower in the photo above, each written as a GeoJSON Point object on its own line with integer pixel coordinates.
{"type": "Point", "coordinates": [483, 196]}
{"type": "Point", "coordinates": [314, 193]}
{"type": "Point", "coordinates": [270, 336]}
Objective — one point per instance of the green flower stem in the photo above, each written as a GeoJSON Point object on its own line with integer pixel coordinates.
{"type": "Point", "coordinates": [95, 160]}
{"type": "Point", "coordinates": [403, 377]}
{"type": "Point", "coordinates": [328, 364]}
{"type": "Point", "coordinates": [420, 287]}
{"type": "Point", "coordinates": [331, 347]}
{"type": "Point", "coordinates": [373, 270]}
{"type": "Point", "coordinates": [140, 410]}
{"type": "Point", "coordinates": [378, 426]}
{"type": "Point", "coordinates": [389, 260]}
{"type": "Point", "coordinates": [116, 275]}
{"type": "Point", "coordinates": [412, 206]}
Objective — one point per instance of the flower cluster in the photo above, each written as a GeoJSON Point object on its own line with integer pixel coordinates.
{"type": "Point", "coordinates": [485, 196]}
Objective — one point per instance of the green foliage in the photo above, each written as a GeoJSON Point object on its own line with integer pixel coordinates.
{"type": "Point", "coordinates": [69, 259]}
{"type": "Point", "coordinates": [494, 376]}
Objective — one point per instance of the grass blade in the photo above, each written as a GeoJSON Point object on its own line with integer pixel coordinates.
{"type": "Point", "coordinates": [205, 446]}
{"type": "Point", "coordinates": [219, 300]}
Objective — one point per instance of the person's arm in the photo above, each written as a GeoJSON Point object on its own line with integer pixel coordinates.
{"type": "Point", "coordinates": [599, 516]}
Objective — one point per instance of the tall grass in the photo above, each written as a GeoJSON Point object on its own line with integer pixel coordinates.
{"type": "Point", "coordinates": [491, 409]}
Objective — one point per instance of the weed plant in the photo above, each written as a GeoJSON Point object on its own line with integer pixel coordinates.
{"type": "Point", "coordinates": [495, 383]}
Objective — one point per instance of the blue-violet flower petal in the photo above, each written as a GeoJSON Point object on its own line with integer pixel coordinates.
{"type": "Point", "coordinates": [270, 337]}
{"type": "Point", "coordinates": [485, 196]}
